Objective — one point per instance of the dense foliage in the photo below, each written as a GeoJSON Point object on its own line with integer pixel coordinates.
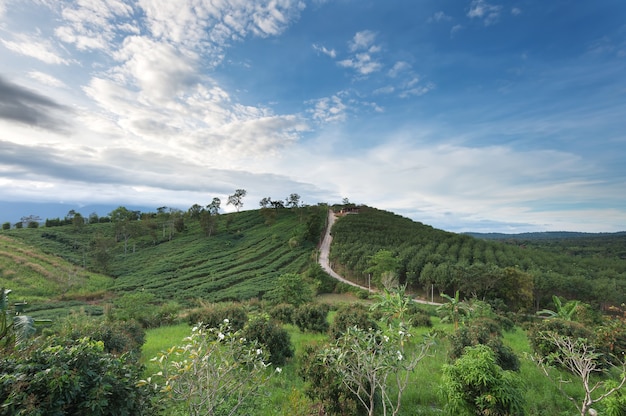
{"type": "Point", "coordinates": [516, 275]}
{"type": "Point", "coordinates": [476, 385]}
{"type": "Point", "coordinates": [71, 377]}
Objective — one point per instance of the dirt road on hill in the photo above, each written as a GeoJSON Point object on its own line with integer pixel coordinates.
{"type": "Point", "coordinates": [325, 262]}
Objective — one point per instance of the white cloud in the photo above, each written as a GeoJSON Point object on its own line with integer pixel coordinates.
{"type": "Point", "coordinates": [92, 24]}
{"type": "Point", "coordinates": [329, 109]}
{"type": "Point", "coordinates": [362, 63]}
{"type": "Point", "coordinates": [160, 71]}
{"type": "Point", "coordinates": [45, 79]}
{"type": "Point", "coordinates": [488, 13]}
{"type": "Point", "coordinates": [473, 184]}
{"type": "Point", "coordinates": [389, 89]}
{"type": "Point", "coordinates": [439, 17]}
{"type": "Point", "coordinates": [455, 29]}
{"type": "Point", "coordinates": [211, 26]}
{"type": "Point", "coordinates": [330, 52]}
{"type": "Point", "coordinates": [362, 40]}
{"type": "Point", "coordinates": [41, 49]}
{"type": "Point", "coordinates": [417, 90]}
{"type": "Point", "coordinates": [399, 67]}
{"type": "Point", "coordinates": [516, 11]}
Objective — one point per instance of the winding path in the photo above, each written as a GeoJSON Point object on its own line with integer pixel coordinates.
{"type": "Point", "coordinates": [325, 262]}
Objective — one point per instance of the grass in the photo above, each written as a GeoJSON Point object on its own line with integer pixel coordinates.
{"type": "Point", "coordinates": [285, 393]}
{"type": "Point", "coordinates": [47, 282]}
{"type": "Point", "coordinates": [160, 339]}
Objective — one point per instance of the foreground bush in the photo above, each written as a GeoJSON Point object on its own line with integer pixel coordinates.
{"type": "Point", "coordinates": [283, 312]}
{"type": "Point", "coordinates": [271, 335]}
{"type": "Point", "coordinates": [71, 377]}
{"type": "Point", "coordinates": [483, 331]}
{"type": "Point", "coordinates": [216, 372]}
{"type": "Point", "coordinates": [118, 337]}
{"type": "Point", "coordinates": [476, 385]}
{"type": "Point", "coordinates": [570, 329]}
{"type": "Point", "coordinates": [312, 317]}
{"type": "Point", "coordinates": [213, 315]}
{"type": "Point", "coordinates": [350, 316]}
{"type": "Point", "coordinates": [323, 384]}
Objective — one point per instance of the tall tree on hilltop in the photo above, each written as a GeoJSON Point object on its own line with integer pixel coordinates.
{"type": "Point", "coordinates": [237, 198]}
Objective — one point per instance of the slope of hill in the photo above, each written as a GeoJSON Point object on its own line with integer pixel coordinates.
{"type": "Point", "coordinates": [239, 260]}
{"type": "Point", "coordinates": [243, 255]}
{"type": "Point", "coordinates": [476, 267]}
{"type": "Point", "coordinates": [46, 281]}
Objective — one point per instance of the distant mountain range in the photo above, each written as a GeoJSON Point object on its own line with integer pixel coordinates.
{"type": "Point", "coordinates": [546, 235]}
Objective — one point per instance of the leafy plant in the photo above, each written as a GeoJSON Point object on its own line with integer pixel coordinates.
{"type": "Point", "coordinates": [212, 315]}
{"type": "Point", "coordinates": [454, 310]}
{"type": "Point", "coordinates": [272, 336]}
{"type": "Point", "coordinates": [476, 385]}
{"type": "Point", "coordinates": [348, 316]}
{"type": "Point", "coordinates": [324, 384]}
{"type": "Point", "coordinates": [367, 360]}
{"type": "Point", "coordinates": [562, 311]}
{"type": "Point", "coordinates": [14, 327]}
{"type": "Point", "coordinates": [312, 317]}
{"type": "Point", "coordinates": [486, 332]}
{"type": "Point", "coordinates": [216, 371]}
{"type": "Point", "coordinates": [67, 377]}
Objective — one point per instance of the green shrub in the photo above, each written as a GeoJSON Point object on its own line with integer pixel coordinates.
{"type": "Point", "coordinates": [418, 316]}
{"type": "Point", "coordinates": [283, 312]}
{"type": "Point", "coordinates": [483, 331]}
{"type": "Point", "coordinates": [312, 317]}
{"type": "Point", "coordinates": [611, 337]}
{"type": "Point", "coordinates": [351, 315]}
{"type": "Point", "coordinates": [119, 337]}
{"type": "Point", "coordinates": [291, 288]}
{"type": "Point", "coordinates": [323, 281]}
{"type": "Point", "coordinates": [562, 327]}
{"type": "Point", "coordinates": [213, 315]}
{"type": "Point", "coordinates": [476, 385]}
{"type": "Point", "coordinates": [323, 384]}
{"type": "Point", "coordinates": [274, 337]}
{"type": "Point", "coordinates": [71, 377]}
{"type": "Point", "coordinates": [216, 371]}
{"type": "Point", "coordinates": [146, 309]}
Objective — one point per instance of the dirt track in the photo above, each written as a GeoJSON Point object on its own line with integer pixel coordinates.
{"type": "Point", "coordinates": [325, 262]}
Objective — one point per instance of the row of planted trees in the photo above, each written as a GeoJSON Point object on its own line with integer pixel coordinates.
{"type": "Point", "coordinates": [435, 260]}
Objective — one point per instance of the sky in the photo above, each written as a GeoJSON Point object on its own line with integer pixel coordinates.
{"type": "Point", "coordinates": [467, 115]}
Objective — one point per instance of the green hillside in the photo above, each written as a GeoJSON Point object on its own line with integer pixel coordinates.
{"type": "Point", "coordinates": [47, 282]}
{"type": "Point", "coordinates": [175, 256]}
{"type": "Point", "coordinates": [238, 262]}
{"type": "Point", "coordinates": [489, 269]}
{"type": "Point", "coordinates": [240, 258]}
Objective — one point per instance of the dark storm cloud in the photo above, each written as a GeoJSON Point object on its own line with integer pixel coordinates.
{"type": "Point", "coordinates": [28, 107]}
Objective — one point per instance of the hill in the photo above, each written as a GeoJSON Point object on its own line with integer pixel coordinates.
{"type": "Point", "coordinates": [239, 255]}
{"type": "Point", "coordinates": [478, 267]}
{"type": "Point", "coordinates": [46, 281]}
{"type": "Point", "coordinates": [175, 258]}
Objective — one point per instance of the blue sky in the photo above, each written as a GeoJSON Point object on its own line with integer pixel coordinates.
{"type": "Point", "coordinates": [474, 115]}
